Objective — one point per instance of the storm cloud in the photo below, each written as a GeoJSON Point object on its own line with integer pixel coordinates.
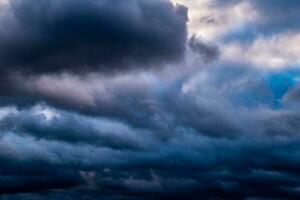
{"type": "Point", "coordinates": [76, 35]}
{"type": "Point", "coordinates": [205, 167]}
{"type": "Point", "coordinates": [127, 100]}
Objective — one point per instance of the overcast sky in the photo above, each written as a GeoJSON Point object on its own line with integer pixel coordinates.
{"type": "Point", "coordinates": [149, 99]}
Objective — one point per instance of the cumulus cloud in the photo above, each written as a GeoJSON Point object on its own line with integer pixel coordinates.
{"type": "Point", "coordinates": [258, 33]}
{"type": "Point", "coordinates": [214, 19]}
{"type": "Point", "coordinates": [197, 129]}
{"type": "Point", "coordinates": [75, 35]}
{"type": "Point", "coordinates": [275, 52]}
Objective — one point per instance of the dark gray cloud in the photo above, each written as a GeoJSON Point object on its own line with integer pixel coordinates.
{"type": "Point", "coordinates": [208, 52]}
{"type": "Point", "coordinates": [216, 133]}
{"type": "Point", "coordinates": [151, 143]}
{"type": "Point", "coordinates": [75, 35]}
{"type": "Point", "coordinates": [138, 102]}
{"type": "Point", "coordinates": [188, 165]}
{"type": "Point", "coordinates": [60, 127]}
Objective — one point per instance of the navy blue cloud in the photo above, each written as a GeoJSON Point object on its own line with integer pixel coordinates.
{"type": "Point", "coordinates": [225, 132]}
{"type": "Point", "coordinates": [188, 165]}
{"type": "Point", "coordinates": [76, 35]}
{"type": "Point", "coordinates": [180, 148]}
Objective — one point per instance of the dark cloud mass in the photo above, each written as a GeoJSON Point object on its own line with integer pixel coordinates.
{"type": "Point", "coordinates": [54, 35]}
{"type": "Point", "coordinates": [202, 126]}
{"type": "Point", "coordinates": [186, 166]}
{"type": "Point", "coordinates": [150, 146]}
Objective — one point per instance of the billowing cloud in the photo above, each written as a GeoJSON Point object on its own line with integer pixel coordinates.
{"type": "Point", "coordinates": [221, 123]}
{"type": "Point", "coordinates": [203, 166]}
{"type": "Point", "coordinates": [152, 142]}
{"type": "Point", "coordinates": [214, 19]}
{"type": "Point", "coordinates": [275, 52]}
{"type": "Point", "coordinates": [75, 35]}
{"type": "Point", "coordinates": [60, 127]}
{"type": "Point", "coordinates": [138, 101]}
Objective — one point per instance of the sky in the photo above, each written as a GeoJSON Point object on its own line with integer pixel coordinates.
{"type": "Point", "coordinates": [149, 99]}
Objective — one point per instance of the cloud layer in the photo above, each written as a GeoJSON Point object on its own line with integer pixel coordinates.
{"type": "Point", "coordinates": [83, 115]}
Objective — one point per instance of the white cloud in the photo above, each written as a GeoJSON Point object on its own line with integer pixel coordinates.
{"type": "Point", "coordinates": [45, 111]}
{"type": "Point", "coordinates": [4, 2]}
{"type": "Point", "coordinates": [211, 21]}
{"type": "Point", "coordinates": [275, 52]}
{"type": "Point", "coordinates": [5, 111]}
